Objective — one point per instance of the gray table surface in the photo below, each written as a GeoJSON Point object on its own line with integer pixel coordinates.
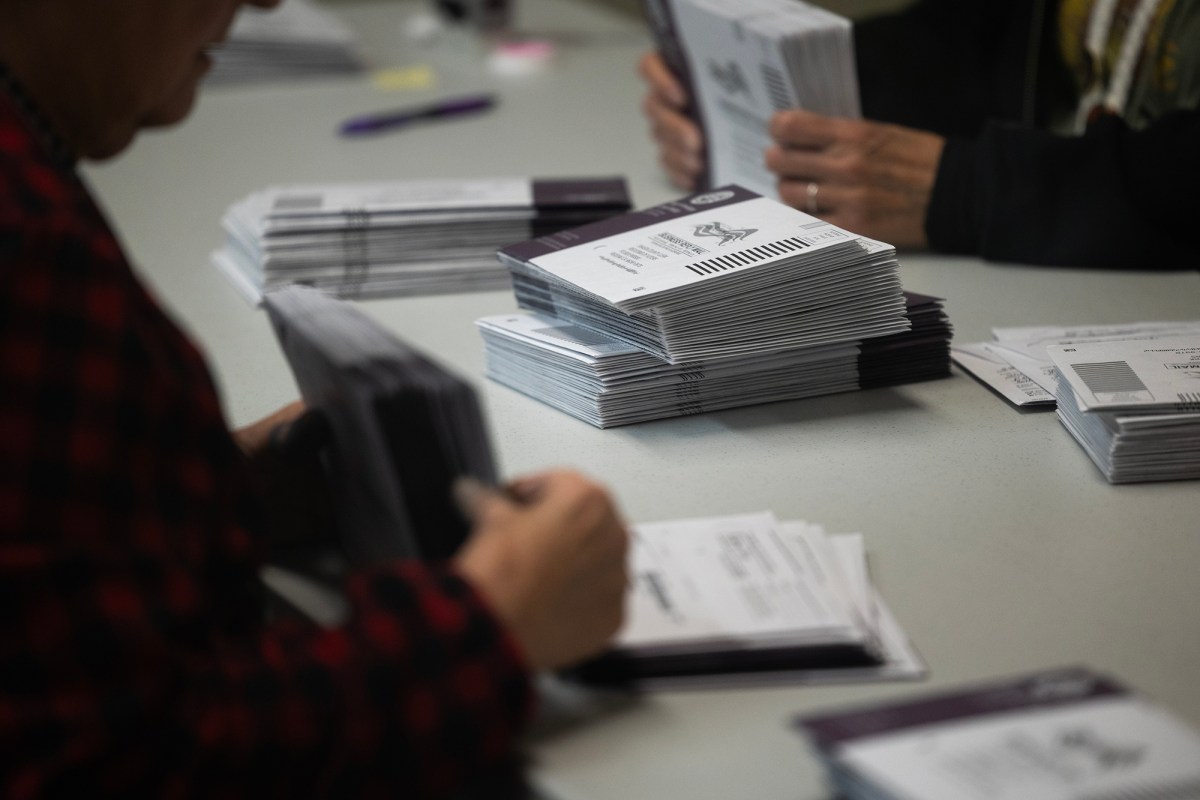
{"type": "Point", "coordinates": [997, 543]}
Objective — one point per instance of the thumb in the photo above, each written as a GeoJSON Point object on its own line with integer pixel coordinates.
{"type": "Point", "coordinates": [477, 501]}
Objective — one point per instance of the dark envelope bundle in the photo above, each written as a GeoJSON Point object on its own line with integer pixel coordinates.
{"type": "Point", "coordinates": [403, 428]}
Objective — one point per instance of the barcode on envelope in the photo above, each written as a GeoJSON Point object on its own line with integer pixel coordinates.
{"type": "Point", "coordinates": [1103, 377]}
{"type": "Point", "coordinates": [776, 86]}
{"type": "Point", "coordinates": [749, 256]}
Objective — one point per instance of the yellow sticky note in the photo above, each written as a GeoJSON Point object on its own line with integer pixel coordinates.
{"type": "Point", "coordinates": [401, 78]}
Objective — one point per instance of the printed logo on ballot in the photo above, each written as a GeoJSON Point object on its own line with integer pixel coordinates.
{"type": "Point", "coordinates": [726, 235]}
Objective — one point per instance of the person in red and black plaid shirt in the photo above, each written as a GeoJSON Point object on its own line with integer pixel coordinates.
{"type": "Point", "coordinates": [134, 660]}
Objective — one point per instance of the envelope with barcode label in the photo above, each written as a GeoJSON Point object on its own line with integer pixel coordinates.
{"type": "Point", "coordinates": [1159, 375]}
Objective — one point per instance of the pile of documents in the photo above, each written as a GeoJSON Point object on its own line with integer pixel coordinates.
{"type": "Point", "coordinates": [717, 300]}
{"type": "Point", "coordinates": [297, 39]}
{"type": "Point", "coordinates": [1143, 425]}
{"type": "Point", "coordinates": [751, 599]}
{"type": "Point", "coordinates": [723, 273]}
{"type": "Point", "coordinates": [1015, 364]}
{"type": "Point", "coordinates": [1066, 734]}
{"type": "Point", "coordinates": [402, 428]}
{"type": "Point", "coordinates": [1134, 406]}
{"type": "Point", "coordinates": [743, 60]}
{"type": "Point", "coordinates": [607, 382]}
{"type": "Point", "coordinates": [401, 237]}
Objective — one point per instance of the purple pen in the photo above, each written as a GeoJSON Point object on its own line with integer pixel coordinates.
{"type": "Point", "coordinates": [386, 120]}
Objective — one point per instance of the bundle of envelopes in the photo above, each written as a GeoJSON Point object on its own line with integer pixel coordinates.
{"type": "Point", "coordinates": [1134, 406]}
{"type": "Point", "coordinates": [751, 599]}
{"type": "Point", "coordinates": [1062, 734]}
{"type": "Point", "coordinates": [608, 382]}
{"type": "Point", "coordinates": [402, 428]}
{"type": "Point", "coordinates": [401, 237]}
{"type": "Point", "coordinates": [717, 300]}
{"type": "Point", "coordinates": [1015, 365]}
{"type": "Point", "coordinates": [1128, 393]}
{"type": "Point", "coordinates": [297, 39]}
{"type": "Point", "coordinates": [743, 60]}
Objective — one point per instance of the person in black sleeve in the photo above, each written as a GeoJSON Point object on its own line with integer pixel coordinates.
{"type": "Point", "coordinates": [1057, 132]}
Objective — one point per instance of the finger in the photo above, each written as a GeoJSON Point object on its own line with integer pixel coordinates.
{"type": "Point", "coordinates": [527, 488]}
{"type": "Point", "coordinates": [551, 497]}
{"type": "Point", "coordinates": [669, 127]}
{"type": "Point", "coordinates": [306, 434]}
{"type": "Point", "coordinates": [828, 199]}
{"type": "Point", "coordinates": [475, 499]}
{"type": "Point", "coordinates": [687, 181]}
{"type": "Point", "coordinates": [800, 165]}
{"type": "Point", "coordinates": [570, 499]}
{"type": "Point", "coordinates": [805, 129]}
{"type": "Point", "coordinates": [660, 78]}
{"type": "Point", "coordinates": [684, 169]}
{"type": "Point", "coordinates": [257, 435]}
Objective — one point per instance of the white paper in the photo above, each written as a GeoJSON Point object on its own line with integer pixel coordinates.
{"type": "Point", "coordinates": [751, 58]}
{"type": "Point", "coordinates": [1016, 360]}
{"type": "Point", "coordinates": [1120, 747]}
{"type": "Point", "coordinates": [739, 577]}
{"type": "Point", "coordinates": [1014, 385]}
{"type": "Point", "coordinates": [407, 196]}
{"type": "Point", "coordinates": [1159, 374]}
{"type": "Point", "coordinates": [637, 266]}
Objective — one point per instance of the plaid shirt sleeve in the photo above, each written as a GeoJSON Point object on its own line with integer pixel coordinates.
{"type": "Point", "coordinates": [134, 660]}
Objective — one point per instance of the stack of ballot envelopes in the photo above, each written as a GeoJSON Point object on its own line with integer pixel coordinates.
{"type": "Point", "coordinates": [299, 39]}
{"type": "Point", "coordinates": [1134, 406]}
{"type": "Point", "coordinates": [402, 427]}
{"type": "Point", "coordinates": [1059, 734]}
{"type": "Point", "coordinates": [743, 60]}
{"type": "Point", "coordinates": [393, 238]}
{"type": "Point", "coordinates": [717, 300]}
{"type": "Point", "coordinates": [1128, 393]}
{"type": "Point", "coordinates": [749, 599]}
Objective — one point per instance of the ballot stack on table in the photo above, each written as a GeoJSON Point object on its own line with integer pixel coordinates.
{"type": "Point", "coordinates": [749, 599]}
{"type": "Point", "coordinates": [1128, 393]}
{"type": "Point", "coordinates": [1134, 406]}
{"type": "Point", "coordinates": [1061, 734]}
{"type": "Point", "coordinates": [299, 39]}
{"type": "Point", "coordinates": [392, 238]}
{"type": "Point", "coordinates": [717, 300]}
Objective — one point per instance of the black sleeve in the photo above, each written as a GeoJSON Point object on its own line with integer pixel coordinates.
{"type": "Point", "coordinates": [948, 65]}
{"type": "Point", "coordinates": [1113, 197]}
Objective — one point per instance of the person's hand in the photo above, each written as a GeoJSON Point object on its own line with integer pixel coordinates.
{"type": "Point", "coordinates": [549, 557]}
{"type": "Point", "coordinates": [285, 450]}
{"type": "Point", "coordinates": [870, 178]}
{"type": "Point", "coordinates": [253, 438]}
{"type": "Point", "coordinates": [680, 143]}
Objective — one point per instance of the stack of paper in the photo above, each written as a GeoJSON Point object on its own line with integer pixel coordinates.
{"type": "Point", "coordinates": [720, 299]}
{"type": "Point", "coordinates": [1015, 364]}
{"type": "Point", "coordinates": [743, 60]}
{"type": "Point", "coordinates": [402, 428]}
{"type": "Point", "coordinates": [1065, 734]}
{"type": "Point", "coordinates": [607, 382]}
{"type": "Point", "coordinates": [720, 274]}
{"type": "Point", "coordinates": [1134, 406]}
{"type": "Point", "coordinates": [751, 599]}
{"type": "Point", "coordinates": [297, 39]}
{"type": "Point", "coordinates": [401, 237]}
